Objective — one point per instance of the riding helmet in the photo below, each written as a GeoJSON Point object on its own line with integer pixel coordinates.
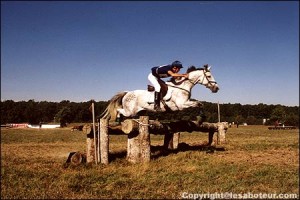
{"type": "Point", "coordinates": [177, 64]}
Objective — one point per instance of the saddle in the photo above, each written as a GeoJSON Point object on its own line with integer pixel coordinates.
{"type": "Point", "coordinates": [163, 88]}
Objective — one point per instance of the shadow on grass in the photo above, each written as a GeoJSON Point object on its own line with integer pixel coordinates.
{"type": "Point", "coordinates": [160, 151]}
{"type": "Point", "coordinates": [77, 158]}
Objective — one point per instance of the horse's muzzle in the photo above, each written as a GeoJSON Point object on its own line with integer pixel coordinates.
{"type": "Point", "coordinates": [215, 89]}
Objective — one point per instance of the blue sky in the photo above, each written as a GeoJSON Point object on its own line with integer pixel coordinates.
{"type": "Point", "coordinates": [78, 51]}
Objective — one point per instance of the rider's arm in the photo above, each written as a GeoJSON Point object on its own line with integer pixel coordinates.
{"type": "Point", "coordinates": [177, 75]}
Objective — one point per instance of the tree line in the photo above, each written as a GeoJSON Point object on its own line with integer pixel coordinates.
{"type": "Point", "coordinates": [63, 112]}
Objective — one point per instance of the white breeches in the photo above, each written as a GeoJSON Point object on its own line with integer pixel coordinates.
{"type": "Point", "coordinates": [154, 82]}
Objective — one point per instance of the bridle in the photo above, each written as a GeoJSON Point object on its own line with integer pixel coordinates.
{"type": "Point", "coordinates": [210, 82]}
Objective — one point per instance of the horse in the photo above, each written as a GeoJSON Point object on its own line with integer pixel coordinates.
{"type": "Point", "coordinates": [130, 103]}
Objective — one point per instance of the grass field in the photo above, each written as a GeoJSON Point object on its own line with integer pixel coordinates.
{"type": "Point", "coordinates": [255, 160]}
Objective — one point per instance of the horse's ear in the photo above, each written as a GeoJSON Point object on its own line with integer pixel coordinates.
{"type": "Point", "coordinates": [206, 67]}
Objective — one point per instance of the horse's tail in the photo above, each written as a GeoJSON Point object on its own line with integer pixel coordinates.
{"type": "Point", "coordinates": [111, 110]}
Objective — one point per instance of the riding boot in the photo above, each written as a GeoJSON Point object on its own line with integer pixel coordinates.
{"type": "Point", "coordinates": [157, 101]}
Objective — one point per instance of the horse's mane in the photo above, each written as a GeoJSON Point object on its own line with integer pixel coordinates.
{"type": "Point", "coordinates": [193, 68]}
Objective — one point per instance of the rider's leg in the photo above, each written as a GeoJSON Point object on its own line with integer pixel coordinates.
{"type": "Point", "coordinates": [157, 101]}
{"type": "Point", "coordinates": [154, 81]}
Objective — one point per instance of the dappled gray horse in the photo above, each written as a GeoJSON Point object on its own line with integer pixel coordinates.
{"type": "Point", "coordinates": [130, 103]}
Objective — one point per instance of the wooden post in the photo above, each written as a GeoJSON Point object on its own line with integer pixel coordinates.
{"type": "Point", "coordinates": [171, 140]}
{"type": "Point", "coordinates": [222, 128]}
{"type": "Point", "coordinates": [138, 147]}
{"type": "Point", "coordinates": [210, 137]}
{"type": "Point", "coordinates": [168, 141]}
{"type": "Point", "coordinates": [90, 151]}
{"type": "Point", "coordinates": [133, 147]}
{"type": "Point", "coordinates": [104, 141]}
{"type": "Point", "coordinates": [144, 138]}
{"type": "Point", "coordinates": [176, 137]}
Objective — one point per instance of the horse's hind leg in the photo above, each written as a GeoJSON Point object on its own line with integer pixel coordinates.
{"type": "Point", "coordinates": [121, 111]}
{"type": "Point", "coordinates": [130, 107]}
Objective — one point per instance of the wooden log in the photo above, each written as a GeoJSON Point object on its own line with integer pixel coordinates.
{"type": "Point", "coordinates": [78, 158]}
{"type": "Point", "coordinates": [104, 141]}
{"type": "Point", "coordinates": [157, 127]}
{"type": "Point", "coordinates": [130, 125]}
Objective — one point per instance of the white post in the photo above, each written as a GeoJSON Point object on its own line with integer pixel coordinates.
{"type": "Point", "coordinates": [94, 130]}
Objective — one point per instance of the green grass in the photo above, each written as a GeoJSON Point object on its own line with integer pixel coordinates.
{"type": "Point", "coordinates": [255, 160]}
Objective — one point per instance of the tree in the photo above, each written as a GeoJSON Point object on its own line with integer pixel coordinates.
{"type": "Point", "coordinates": [278, 114]}
{"type": "Point", "coordinates": [251, 120]}
{"type": "Point", "coordinates": [31, 112]}
{"type": "Point", "coordinates": [63, 116]}
{"type": "Point", "coordinates": [292, 120]}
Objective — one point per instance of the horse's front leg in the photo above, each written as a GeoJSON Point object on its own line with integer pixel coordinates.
{"type": "Point", "coordinates": [190, 104]}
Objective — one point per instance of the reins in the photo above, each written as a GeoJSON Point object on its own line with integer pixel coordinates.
{"type": "Point", "coordinates": [210, 82]}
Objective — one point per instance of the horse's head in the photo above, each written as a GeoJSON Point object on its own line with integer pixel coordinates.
{"type": "Point", "coordinates": [203, 76]}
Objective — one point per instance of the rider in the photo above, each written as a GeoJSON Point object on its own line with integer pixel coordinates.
{"type": "Point", "coordinates": [163, 71]}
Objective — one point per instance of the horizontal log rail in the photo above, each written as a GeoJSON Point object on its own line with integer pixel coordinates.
{"type": "Point", "coordinates": [156, 127]}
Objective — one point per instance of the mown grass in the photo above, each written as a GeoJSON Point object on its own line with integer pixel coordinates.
{"type": "Point", "coordinates": [254, 159]}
